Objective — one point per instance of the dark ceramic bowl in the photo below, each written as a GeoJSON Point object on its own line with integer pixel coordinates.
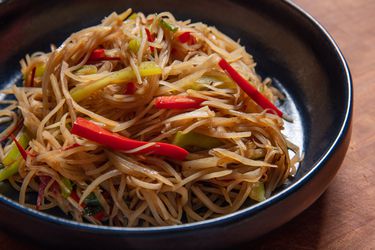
{"type": "Point", "coordinates": [288, 45]}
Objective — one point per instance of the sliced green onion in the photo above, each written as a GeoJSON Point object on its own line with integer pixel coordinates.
{"type": "Point", "coordinates": [14, 154]}
{"type": "Point", "coordinates": [193, 139]}
{"type": "Point", "coordinates": [257, 192]}
{"type": "Point", "coordinates": [134, 45]}
{"type": "Point", "coordinates": [118, 77]}
{"type": "Point", "coordinates": [13, 158]}
{"type": "Point", "coordinates": [67, 188]}
{"type": "Point", "coordinates": [11, 170]}
{"type": "Point", "coordinates": [133, 16]}
{"type": "Point", "coordinates": [167, 25]}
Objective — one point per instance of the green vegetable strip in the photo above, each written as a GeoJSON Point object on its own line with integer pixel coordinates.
{"type": "Point", "coordinates": [195, 139]}
{"type": "Point", "coordinates": [167, 25]}
{"type": "Point", "coordinates": [257, 192]}
{"type": "Point", "coordinates": [118, 77]}
{"type": "Point", "coordinates": [134, 45]}
{"type": "Point", "coordinates": [10, 170]}
{"type": "Point", "coordinates": [40, 70]}
{"type": "Point", "coordinates": [92, 210]}
{"type": "Point", "coordinates": [67, 188]}
{"type": "Point", "coordinates": [133, 16]}
{"type": "Point", "coordinates": [92, 200]}
{"type": "Point", "coordinates": [14, 154]}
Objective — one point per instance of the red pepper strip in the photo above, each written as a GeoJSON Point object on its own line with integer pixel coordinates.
{"type": "Point", "coordinates": [186, 37]}
{"type": "Point", "coordinates": [99, 55]}
{"type": "Point", "coordinates": [249, 89]}
{"type": "Point", "coordinates": [20, 148]}
{"type": "Point", "coordinates": [99, 215]}
{"type": "Point", "coordinates": [177, 102]}
{"type": "Point", "coordinates": [150, 38]}
{"type": "Point", "coordinates": [86, 129]}
{"type": "Point", "coordinates": [130, 88]}
{"type": "Point", "coordinates": [75, 197]}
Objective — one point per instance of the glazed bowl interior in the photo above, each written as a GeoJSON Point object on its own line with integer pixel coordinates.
{"type": "Point", "coordinates": [301, 63]}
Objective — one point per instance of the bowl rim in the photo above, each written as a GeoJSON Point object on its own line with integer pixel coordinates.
{"type": "Point", "coordinates": [246, 212]}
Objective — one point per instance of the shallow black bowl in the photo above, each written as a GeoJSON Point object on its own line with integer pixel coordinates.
{"type": "Point", "coordinates": [289, 46]}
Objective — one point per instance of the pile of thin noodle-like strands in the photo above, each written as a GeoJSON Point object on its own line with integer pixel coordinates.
{"type": "Point", "coordinates": [148, 190]}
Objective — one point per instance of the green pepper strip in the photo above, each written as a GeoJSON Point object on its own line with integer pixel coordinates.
{"type": "Point", "coordinates": [14, 154]}
{"type": "Point", "coordinates": [134, 45]}
{"type": "Point", "coordinates": [167, 25]}
{"type": "Point", "coordinates": [40, 70]}
{"type": "Point", "coordinates": [133, 16]}
{"type": "Point", "coordinates": [67, 188]}
{"type": "Point", "coordinates": [92, 200]}
{"type": "Point", "coordinates": [11, 170]}
{"type": "Point", "coordinates": [92, 206]}
{"type": "Point", "coordinates": [195, 139]}
{"type": "Point", "coordinates": [118, 77]}
{"type": "Point", "coordinates": [13, 158]}
{"type": "Point", "coordinates": [257, 192]}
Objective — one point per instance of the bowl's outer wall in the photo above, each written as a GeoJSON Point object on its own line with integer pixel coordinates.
{"type": "Point", "coordinates": [286, 45]}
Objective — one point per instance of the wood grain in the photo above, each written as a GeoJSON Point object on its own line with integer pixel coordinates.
{"type": "Point", "coordinates": [344, 217]}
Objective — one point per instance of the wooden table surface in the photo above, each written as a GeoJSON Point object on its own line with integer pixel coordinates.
{"type": "Point", "coordinates": [344, 217]}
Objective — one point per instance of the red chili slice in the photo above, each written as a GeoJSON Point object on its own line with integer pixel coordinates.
{"type": "Point", "coordinates": [249, 89]}
{"type": "Point", "coordinates": [150, 38]}
{"type": "Point", "coordinates": [100, 55]}
{"type": "Point", "coordinates": [23, 152]}
{"type": "Point", "coordinates": [130, 88]}
{"type": "Point", "coordinates": [186, 37]}
{"type": "Point", "coordinates": [86, 129]}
